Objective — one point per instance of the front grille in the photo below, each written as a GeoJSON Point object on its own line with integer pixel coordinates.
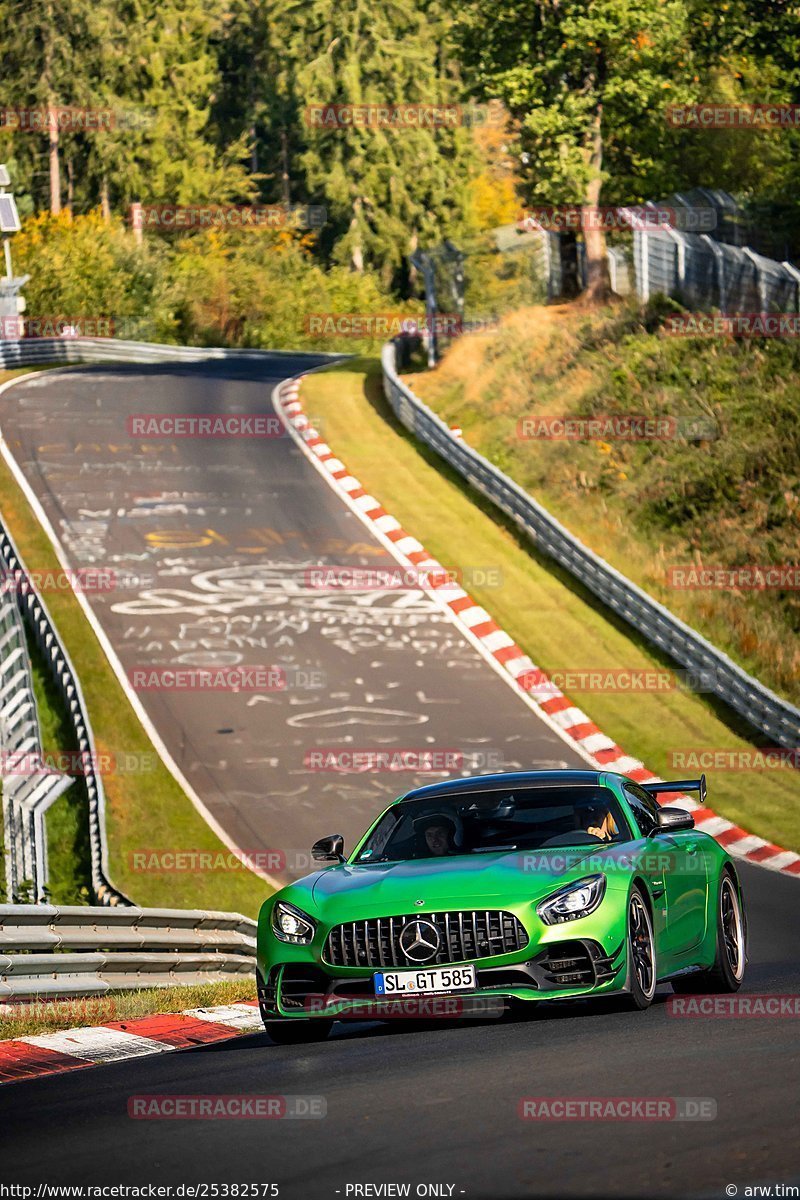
{"type": "Point", "coordinates": [462, 936]}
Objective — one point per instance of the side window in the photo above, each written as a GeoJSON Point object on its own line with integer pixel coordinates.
{"type": "Point", "coordinates": [644, 808]}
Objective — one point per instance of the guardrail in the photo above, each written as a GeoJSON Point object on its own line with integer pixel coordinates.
{"type": "Point", "coordinates": [712, 669]}
{"type": "Point", "coordinates": [45, 634]}
{"type": "Point", "coordinates": [65, 351]}
{"type": "Point", "coordinates": [28, 787]}
{"type": "Point", "coordinates": [51, 951]}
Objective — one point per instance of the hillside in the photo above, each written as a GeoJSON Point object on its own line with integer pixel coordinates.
{"type": "Point", "coordinates": [720, 488]}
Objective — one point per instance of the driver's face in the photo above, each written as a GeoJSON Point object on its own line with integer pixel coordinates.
{"type": "Point", "coordinates": [437, 839]}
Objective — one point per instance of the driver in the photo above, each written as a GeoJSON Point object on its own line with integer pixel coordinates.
{"type": "Point", "coordinates": [439, 835]}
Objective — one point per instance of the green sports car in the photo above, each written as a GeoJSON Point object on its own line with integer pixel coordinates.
{"type": "Point", "coordinates": [540, 885]}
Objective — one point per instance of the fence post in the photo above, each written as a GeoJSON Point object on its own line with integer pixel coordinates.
{"type": "Point", "coordinates": [612, 270]}
{"type": "Point", "coordinates": [680, 255]}
{"type": "Point", "coordinates": [642, 260]}
{"type": "Point", "coordinates": [794, 275]}
{"type": "Point", "coordinates": [760, 281]}
{"type": "Point", "coordinates": [719, 259]}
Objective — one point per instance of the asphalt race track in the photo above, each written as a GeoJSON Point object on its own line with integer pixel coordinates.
{"type": "Point", "coordinates": [436, 1104]}
{"type": "Point", "coordinates": [210, 541]}
{"type": "Point", "coordinates": [439, 1104]}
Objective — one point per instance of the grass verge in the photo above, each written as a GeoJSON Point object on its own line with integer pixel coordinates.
{"type": "Point", "coordinates": [48, 1016]}
{"type": "Point", "coordinates": [719, 488]}
{"type": "Point", "coordinates": [555, 621]}
{"type": "Point", "coordinates": [145, 807]}
{"type": "Point", "coordinates": [68, 850]}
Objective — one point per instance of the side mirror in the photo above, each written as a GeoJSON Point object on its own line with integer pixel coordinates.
{"type": "Point", "coordinates": [672, 820]}
{"type": "Point", "coordinates": [329, 849]}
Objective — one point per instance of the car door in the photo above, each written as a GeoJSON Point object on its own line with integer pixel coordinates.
{"type": "Point", "coordinates": [684, 877]}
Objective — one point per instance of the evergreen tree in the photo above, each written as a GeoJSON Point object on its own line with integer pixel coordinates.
{"type": "Point", "coordinates": [43, 46]}
{"type": "Point", "coordinates": [158, 71]}
{"type": "Point", "coordinates": [386, 189]}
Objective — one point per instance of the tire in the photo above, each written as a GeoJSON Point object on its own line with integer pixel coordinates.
{"type": "Point", "coordinates": [298, 1031]}
{"type": "Point", "coordinates": [730, 956]}
{"type": "Point", "coordinates": [642, 970]}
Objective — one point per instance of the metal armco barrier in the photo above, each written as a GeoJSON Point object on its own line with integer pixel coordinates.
{"type": "Point", "coordinates": [65, 351]}
{"type": "Point", "coordinates": [28, 787]}
{"type": "Point", "coordinates": [35, 613]}
{"type": "Point", "coordinates": [776, 718]}
{"type": "Point", "coordinates": [50, 951]}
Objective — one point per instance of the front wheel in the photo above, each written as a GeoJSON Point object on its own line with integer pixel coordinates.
{"type": "Point", "coordinates": [299, 1031]}
{"type": "Point", "coordinates": [641, 952]}
{"type": "Point", "coordinates": [727, 972]}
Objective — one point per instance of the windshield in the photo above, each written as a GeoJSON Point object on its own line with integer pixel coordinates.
{"type": "Point", "coordinates": [532, 818]}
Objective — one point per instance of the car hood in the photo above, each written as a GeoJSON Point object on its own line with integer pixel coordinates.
{"type": "Point", "coordinates": [348, 892]}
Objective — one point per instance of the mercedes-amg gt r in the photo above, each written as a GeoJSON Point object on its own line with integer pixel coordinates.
{"type": "Point", "coordinates": [466, 889]}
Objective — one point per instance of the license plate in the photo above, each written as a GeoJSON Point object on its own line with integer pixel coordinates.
{"type": "Point", "coordinates": [415, 983]}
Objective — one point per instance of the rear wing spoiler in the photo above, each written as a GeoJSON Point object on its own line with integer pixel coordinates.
{"type": "Point", "coordinates": [679, 785]}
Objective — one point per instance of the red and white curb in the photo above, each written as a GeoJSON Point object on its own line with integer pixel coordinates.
{"type": "Point", "coordinates": [498, 647]}
{"type": "Point", "coordinates": [71, 1049]}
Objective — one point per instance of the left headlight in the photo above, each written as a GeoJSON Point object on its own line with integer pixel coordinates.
{"type": "Point", "coordinates": [573, 901]}
{"type": "Point", "coordinates": [291, 924]}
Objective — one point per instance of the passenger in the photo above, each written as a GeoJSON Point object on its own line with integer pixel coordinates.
{"type": "Point", "coordinates": [600, 823]}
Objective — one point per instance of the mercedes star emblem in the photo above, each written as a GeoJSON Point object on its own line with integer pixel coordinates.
{"type": "Point", "coordinates": [420, 941]}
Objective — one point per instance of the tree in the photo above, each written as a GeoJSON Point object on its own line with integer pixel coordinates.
{"type": "Point", "coordinates": [386, 189]}
{"type": "Point", "coordinates": [148, 70]}
{"type": "Point", "coordinates": [589, 83]}
{"type": "Point", "coordinates": [43, 71]}
{"type": "Point", "coordinates": [158, 71]}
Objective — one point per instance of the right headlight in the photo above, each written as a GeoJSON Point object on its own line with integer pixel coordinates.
{"type": "Point", "coordinates": [575, 900]}
{"type": "Point", "coordinates": [291, 924]}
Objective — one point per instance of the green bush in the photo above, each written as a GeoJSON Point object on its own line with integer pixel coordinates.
{"type": "Point", "coordinates": [254, 289]}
